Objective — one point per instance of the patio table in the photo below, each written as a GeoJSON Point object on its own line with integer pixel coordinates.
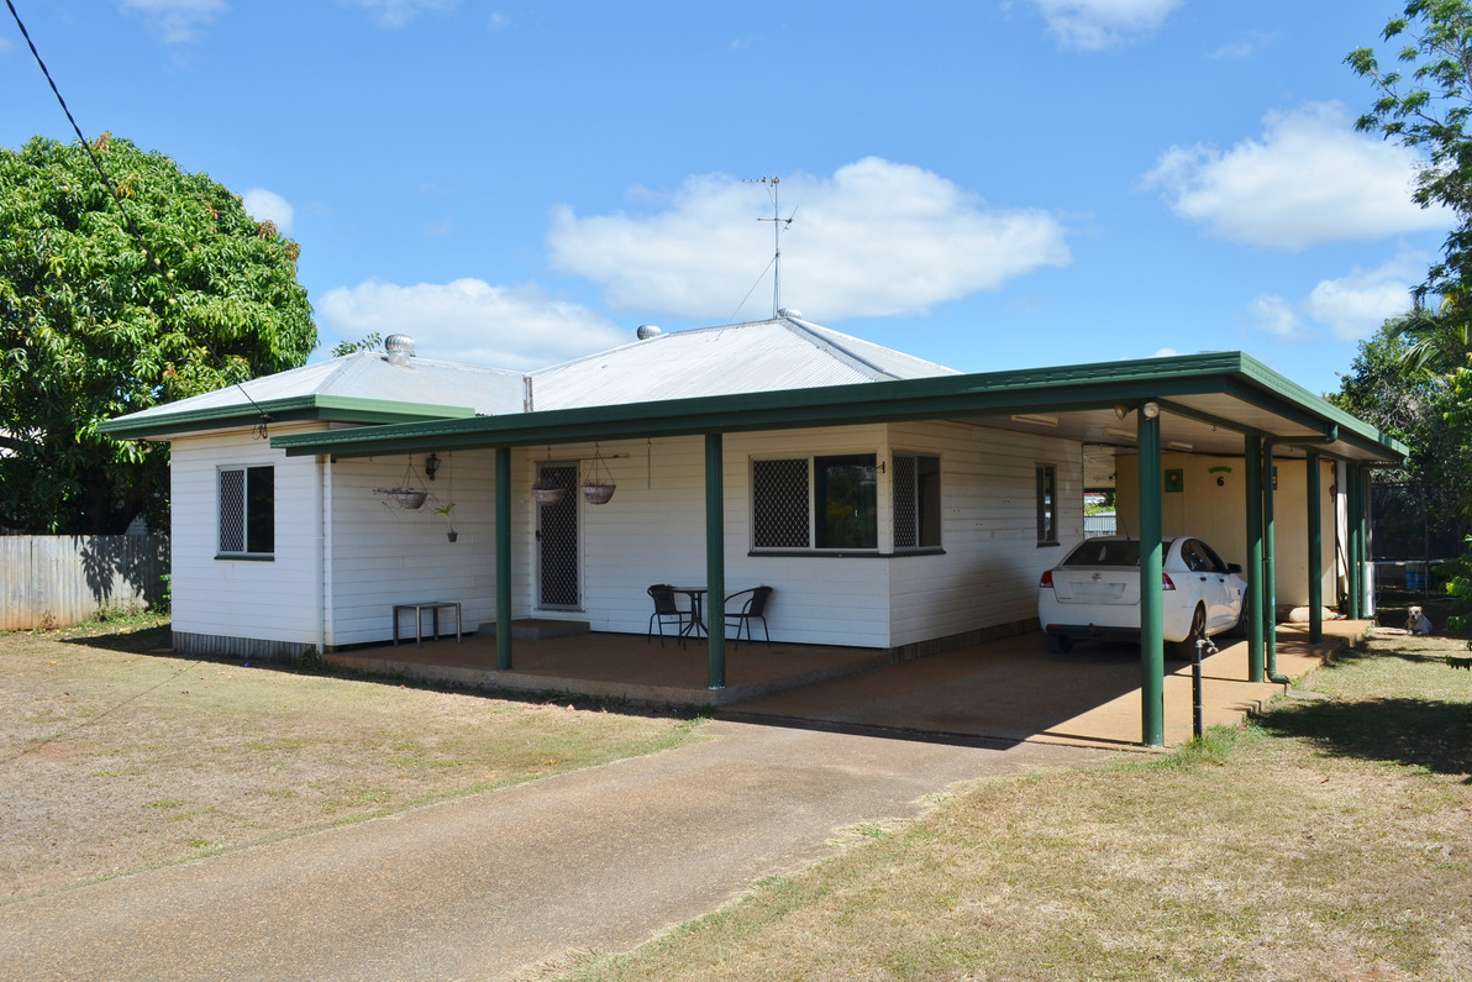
{"type": "Point", "coordinates": [697, 597]}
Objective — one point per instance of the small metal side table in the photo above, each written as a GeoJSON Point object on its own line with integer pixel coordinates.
{"type": "Point", "coordinates": [434, 607]}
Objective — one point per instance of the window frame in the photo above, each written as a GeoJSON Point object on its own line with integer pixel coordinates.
{"type": "Point", "coordinates": [245, 553]}
{"type": "Point", "coordinates": [918, 549]}
{"type": "Point", "coordinates": [812, 548]}
{"type": "Point", "coordinates": [1040, 469]}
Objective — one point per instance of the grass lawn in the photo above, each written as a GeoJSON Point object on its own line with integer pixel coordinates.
{"type": "Point", "coordinates": [115, 756]}
{"type": "Point", "coordinates": [1331, 840]}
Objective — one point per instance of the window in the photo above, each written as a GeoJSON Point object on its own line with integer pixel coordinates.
{"type": "Point", "coordinates": [247, 511]}
{"type": "Point", "coordinates": [815, 503]}
{"type": "Point", "coordinates": [780, 505]}
{"type": "Point", "coordinates": [1047, 501]}
{"type": "Point", "coordinates": [846, 514]}
{"type": "Point", "coordinates": [916, 502]}
{"type": "Point", "coordinates": [1200, 558]}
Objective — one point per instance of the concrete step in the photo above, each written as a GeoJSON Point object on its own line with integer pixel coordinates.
{"type": "Point", "coordinates": [538, 629]}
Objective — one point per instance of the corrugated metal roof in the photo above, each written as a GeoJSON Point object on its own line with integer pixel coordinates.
{"type": "Point", "coordinates": [759, 356]}
{"type": "Point", "coordinates": [367, 375]}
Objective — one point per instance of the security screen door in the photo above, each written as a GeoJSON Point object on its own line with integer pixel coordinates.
{"type": "Point", "coordinates": [557, 539]}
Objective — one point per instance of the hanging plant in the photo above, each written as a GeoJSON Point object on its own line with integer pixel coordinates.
{"type": "Point", "coordinates": [599, 486]}
{"type": "Point", "coordinates": [444, 511]}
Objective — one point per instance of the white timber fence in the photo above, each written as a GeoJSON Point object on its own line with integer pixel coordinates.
{"type": "Point", "coordinates": [49, 581]}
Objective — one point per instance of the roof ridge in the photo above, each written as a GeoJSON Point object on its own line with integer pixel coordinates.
{"type": "Point", "coordinates": [662, 335]}
{"type": "Point", "coordinates": [343, 362]}
{"type": "Point", "coordinates": [831, 347]}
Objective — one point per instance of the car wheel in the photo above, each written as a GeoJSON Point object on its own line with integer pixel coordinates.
{"type": "Point", "coordinates": [1060, 644]}
{"type": "Point", "coordinates": [1187, 648]}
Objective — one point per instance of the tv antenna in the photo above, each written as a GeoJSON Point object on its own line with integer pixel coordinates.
{"type": "Point", "coordinates": [779, 225]}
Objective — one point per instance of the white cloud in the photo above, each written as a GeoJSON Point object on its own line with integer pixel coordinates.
{"type": "Point", "coordinates": [178, 20]}
{"type": "Point", "coordinates": [471, 320]}
{"type": "Point", "coordinates": [1355, 306]}
{"type": "Point", "coordinates": [1242, 48]}
{"type": "Point", "coordinates": [499, 20]}
{"type": "Point", "coordinates": [1275, 315]}
{"type": "Point", "coordinates": [1166, 352]}
{"type": "Point", "coordinates": [268, 206]}
{"type": "Point", "coordinates": [1092, 25]}
{"type": "Point", "coordinates": [5, 45]}
{"type": "Point", "coordinates": [397, 13]}
{"type": "Point", "coordinates": [876, 238]}
{"type": "Point", "coordinates": [1310, 178]}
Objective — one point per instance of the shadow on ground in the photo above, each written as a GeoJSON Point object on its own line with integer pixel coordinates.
{"type": "Point", "coordinates": [1426, 733]}
{"type": "Point", "coordinates": [152, 640]}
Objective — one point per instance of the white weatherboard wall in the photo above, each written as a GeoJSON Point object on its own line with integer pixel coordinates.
{"type": "Point", "coordinates": [653, 531]}
{"type": "Point", "coordinates": [383, 555]}
{"type": "Point", "coordinates": [989, 572]}
{"type": "Point", "coordinates": [277, 600]}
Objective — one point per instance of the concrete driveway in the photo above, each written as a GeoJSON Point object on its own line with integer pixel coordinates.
{"type": "Point", "coordinates": [489, 885]}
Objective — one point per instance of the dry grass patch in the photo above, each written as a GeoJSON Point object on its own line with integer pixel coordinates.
{"type": "Point", "coordinates": [118, 757]}
{"type": "Point", "coordinates": [1330, 841]}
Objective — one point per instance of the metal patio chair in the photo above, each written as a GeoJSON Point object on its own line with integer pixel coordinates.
{"type": "Point", "coordinates": [754, 608]}
{"type": "Point", "coordinates": [665, 610]}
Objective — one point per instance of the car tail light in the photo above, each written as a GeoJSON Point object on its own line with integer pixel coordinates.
{"type": "Point", "coordinates": [1047, 581]}
{"type": "Point", "coordinates": [1165, 582]}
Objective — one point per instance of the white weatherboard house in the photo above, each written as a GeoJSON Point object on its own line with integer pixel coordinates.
{"type": "Point", "coordinates": [890, 502]}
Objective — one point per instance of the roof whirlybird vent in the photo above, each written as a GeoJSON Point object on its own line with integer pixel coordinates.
{"type": "Point", "coordinates": [400, 348]}
{"type": "Point", "coordinates": [647, 331]}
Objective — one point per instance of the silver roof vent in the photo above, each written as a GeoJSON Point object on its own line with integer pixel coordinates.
{"type": "Point", "coordinates": [400, 348]}
{"type": "Point", "coordinates": [647, 331]}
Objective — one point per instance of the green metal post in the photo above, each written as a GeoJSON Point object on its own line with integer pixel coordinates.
{"type": "Point", "coordinates": [1252, 451]}
{"type": "Point", "coordinates": [715, 563]}
{"type": "Point", "coordinates": [1152, 617]}
{"type": "Point", "coordinates": [1367, 558]}
{"type": "Point", "coordinates": [1352, 524]}
{"type": "Point", "coordinates": [503, 558]}
{"type": "Point", "coordinates": [1269, 565]}
{"type": "Point", "coordinates": [1315, 549]}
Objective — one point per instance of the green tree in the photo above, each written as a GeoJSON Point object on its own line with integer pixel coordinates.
{"type": "Point", "coordinates": [368, 342]}
{"type": "Point", "coordinates": [96, 321]}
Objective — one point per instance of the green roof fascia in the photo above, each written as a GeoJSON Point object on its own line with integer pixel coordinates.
{"type": "Point", "coordinates": [1370, 437]}
{"type": "Point", "coordinates": [326, 408]}
{"type": "Point", "coordinates": [1063, 388]}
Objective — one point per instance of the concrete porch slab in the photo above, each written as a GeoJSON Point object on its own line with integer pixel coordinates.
{"type": "Point", "coordinates": [614, 666]}
{"type": "Point", "coordinates": [1013, 690]}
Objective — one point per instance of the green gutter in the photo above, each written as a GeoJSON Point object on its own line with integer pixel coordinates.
{"type": "Point", "coordinates": [1062, 389]}
{"type": "Point", "coordinates": [337, 409]}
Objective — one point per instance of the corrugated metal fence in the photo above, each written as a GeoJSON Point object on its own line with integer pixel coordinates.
{"type": "Point", "coordinates": [57, 580]}
{"type": "Point", "coordinates": [1099, 525]}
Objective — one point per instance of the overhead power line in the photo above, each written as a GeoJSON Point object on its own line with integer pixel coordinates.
{"type": "Point", "coordinates": [112, 190]}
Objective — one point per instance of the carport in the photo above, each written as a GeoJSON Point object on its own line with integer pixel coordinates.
{"type": "Point", "coordinates": [1219, 403]}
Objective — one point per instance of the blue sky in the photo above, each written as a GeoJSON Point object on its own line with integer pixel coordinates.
{"type": "Point", "coordinates": [1021, 183]}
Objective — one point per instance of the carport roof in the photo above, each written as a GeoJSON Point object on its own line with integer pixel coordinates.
{"type": "Point", "coordinates": [1216, 395]}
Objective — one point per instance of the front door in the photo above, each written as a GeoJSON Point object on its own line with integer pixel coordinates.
{"type": "Point", "coordinates": [557, 540]}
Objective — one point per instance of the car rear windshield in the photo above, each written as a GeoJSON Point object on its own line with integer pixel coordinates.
{"type": "Point", "coordinates": [1108, 552]}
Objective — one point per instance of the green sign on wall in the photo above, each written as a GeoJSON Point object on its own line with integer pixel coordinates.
{"type": "Point", "coordinates": [1175, 480]}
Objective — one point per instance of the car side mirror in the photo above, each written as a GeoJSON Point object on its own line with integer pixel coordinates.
{"type": "Point", "coordinates": [1234, 567]}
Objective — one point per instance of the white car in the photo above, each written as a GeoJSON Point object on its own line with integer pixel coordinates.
{"type": "Point", "coordinates": [1095, 593]}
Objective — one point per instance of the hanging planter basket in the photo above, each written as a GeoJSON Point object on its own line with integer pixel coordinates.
{"type": "Point", "coordinates": [547, 493]}
{"type": "Point", "coordinates": [598, 494]}
{"type": "Point", "coordinates": [599, 487]}
{"type": "Point", "coordinates": [409, 499]}
{"type": "Point", "coordinates": [545, 490]}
